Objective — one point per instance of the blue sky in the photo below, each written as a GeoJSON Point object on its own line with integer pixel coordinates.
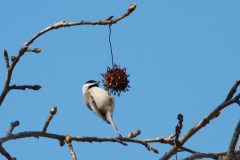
{"type": "Point", "coordinates": [182, 57]}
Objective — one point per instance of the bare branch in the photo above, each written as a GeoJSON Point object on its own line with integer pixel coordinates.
{"type": "Point", "coordinates": [210, 155]}
{"type": "Point", "coordinates": [6, 154]}
{"type": "Point", "coordinates": [184, 149]}
{"type": "Point", "coordinates": [52, 113]}
{"type": "Point", "coordinates": [178, 128]}
{"type": "Point", "coordinates": [212, 115]}
{"type": "Point", "coordinates": [230, 154]}
{"type": "Point", "coordinates": [69, 142]}
{"type": "Point", "coordinates": [233, 90]}
{"type": "Point", "coordinates": [13, 125]}
{"type": "Point", "coordinates": [215, 113]}
{"type": "Point", "coordinates": [24, 87]}
{"type": "Point", "coordinates": [61, 139]}
{"type": "Point", "coordinates": [61, 24]}
{"type": "Point", "coordinates": [58, 25]}
{"type": "Point", "coordinates": [6, 88]}
{"type": "Point", "coordinates": [26, 134]}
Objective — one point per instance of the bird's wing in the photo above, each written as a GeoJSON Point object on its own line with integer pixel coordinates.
{"type": "Point", "coordinates": [92, 105]}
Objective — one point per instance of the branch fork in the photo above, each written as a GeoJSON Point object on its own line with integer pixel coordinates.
{"type": "Point", "coordinates": [230, 99]}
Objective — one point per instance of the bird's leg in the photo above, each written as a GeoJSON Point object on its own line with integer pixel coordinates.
{"type": "Point", "coordinates": [109, 118]}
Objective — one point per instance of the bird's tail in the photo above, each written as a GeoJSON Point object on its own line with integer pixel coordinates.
{"type": "Point", "coordinates": [109, 119]}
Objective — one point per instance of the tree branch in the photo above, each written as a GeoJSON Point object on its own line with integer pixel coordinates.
{"type": "Point", "coordinates": [13, 125]}
{"type": "Point", "coordinates": [24, 87]}
{"type": "Point", "coordinates": [212, 115]}
{"type": "Point", "coordinates": [233, 90]}
{"type": "Point", "coordinates": [61, 24]}
{"type": "Point", "coordinates": [6, 154]}
{"type": "Point", "coordinates": [230, 154]}
{"type": "Point", "coordinates": [178, 128]}
{"type": "Point", "coordinates": [6, 87]}
{"type": "Point", "coordinates": [210, 155]}
{"type": "Point", "coordinates": [52, 113]}
{"type": "Point", "coordinates": [61, 139]}
{"type": "Point", "coordinates": [58, 25]}
{"type": "Point", "coordinates": [69, 142]}
{"type": "Point", "coordinates": [58, 137]}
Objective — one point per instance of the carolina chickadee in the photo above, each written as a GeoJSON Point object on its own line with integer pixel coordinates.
{"type": "Point", "coordinates": [100, 102]}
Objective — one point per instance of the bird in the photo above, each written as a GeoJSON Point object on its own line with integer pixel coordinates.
{"type": "Point", "coordinates": [100, 102]}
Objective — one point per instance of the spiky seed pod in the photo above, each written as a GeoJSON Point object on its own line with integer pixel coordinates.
{"type": "Point", "coordinates": [116, 79]}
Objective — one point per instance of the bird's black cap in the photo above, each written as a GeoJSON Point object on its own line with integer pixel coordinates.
{"type": "Point", "coordinates": [92, 81]}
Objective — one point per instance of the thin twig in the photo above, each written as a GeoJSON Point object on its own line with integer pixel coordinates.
{"type": "Point", "coordinates": [210, 155]}
{"type": "Point", "coordinates": [230, 154]}
{"type": "Point", "coordinates": [61, 24]}
{"type": "Point", "coordinates": [58, 25]}
{"type": "Point", "coordinates": [69, 142]}
{"type": "Point", "coordinates": [74, 157]}
{"type": "Point", "coordinates": [6, 88]}
{"type": "Point", "coordinates": [178, 128]}
{"type": "Point", "coordinates": [51, 114]}
{"type": "Point", "coordinates": [212, 115]}
{"type": "Point", "coordinates": [24, 87]}
{"type": "Point", "coordinates": [13, 125]}
{"type": "Point", "coordinates": [233, 90]}
{"type": "Point", "coordinates": [6, 154]}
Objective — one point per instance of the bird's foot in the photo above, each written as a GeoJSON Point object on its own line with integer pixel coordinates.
{"type": "Point", "coordinates": [120, 136]}
{"type": "Point", "coordinates": [119, 139]}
